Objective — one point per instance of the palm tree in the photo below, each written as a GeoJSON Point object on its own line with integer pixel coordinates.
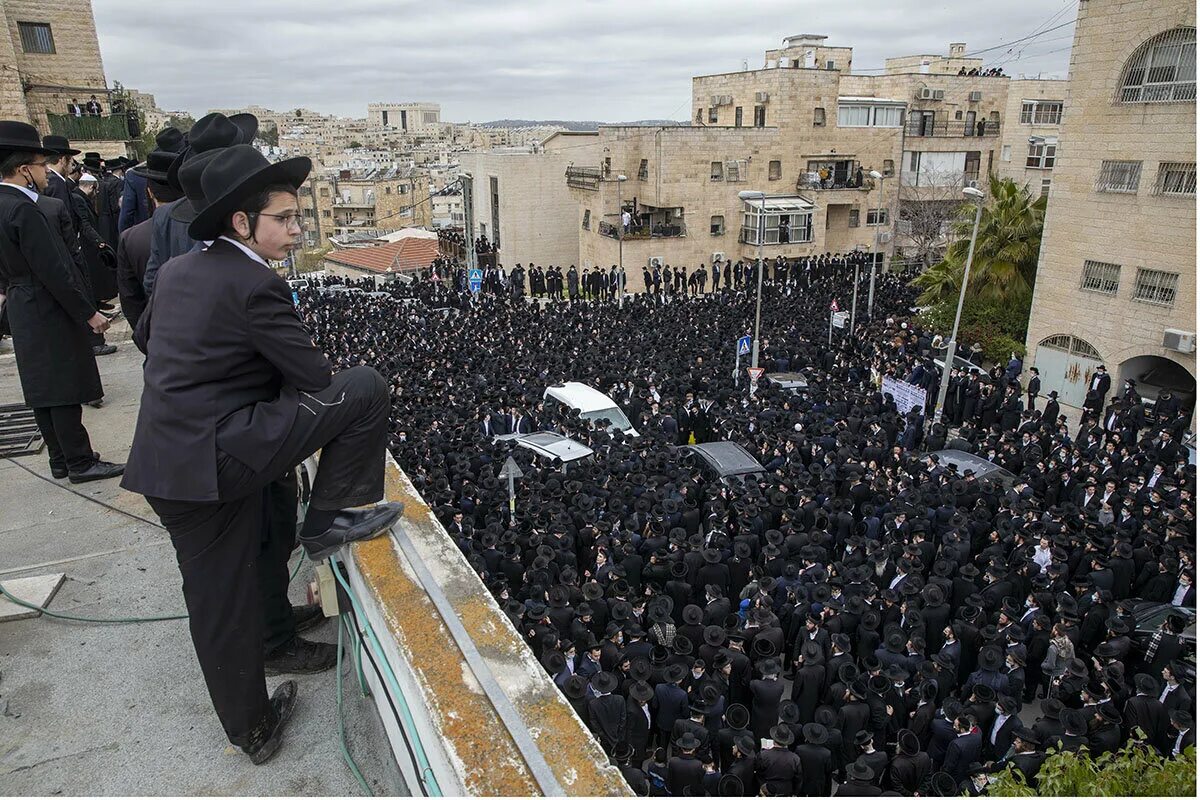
{"type": "Point", "coordinates": [1006, 250]}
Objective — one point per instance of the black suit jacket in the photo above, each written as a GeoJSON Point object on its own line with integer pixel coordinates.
{"type": "Point", "coordinates": [133, 253]}
{"type": "Point", "coordinates": [226, 358]}
{"type": "Point", "coordinates": [58, 214]}
{"type": "Point", "coordinates": [960, 754]}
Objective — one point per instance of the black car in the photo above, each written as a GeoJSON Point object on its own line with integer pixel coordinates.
{"type": "Point", "coordinates": [726, 461]}
{"type": "Point", "coordinates": [985, 471]}
{"type": "Point", "coordinates": [1148, 616]}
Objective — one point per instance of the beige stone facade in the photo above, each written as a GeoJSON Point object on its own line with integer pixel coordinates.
{"type": "Point", "coordinates": [345, 203]}
{"type": "Point", "coordinates": [52, 58]}
{"type": "Point", "coordinates": [1117, 271]}
{"type": "Point", "coordinates": [523, 196]}
{"type": "Point", "coordinates": [1033, 118]}
{"type": "Point", "coordinates": [416, 119]}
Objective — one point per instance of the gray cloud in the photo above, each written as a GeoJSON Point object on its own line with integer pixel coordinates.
{"type": "Point", "coordinates": [561, 59]}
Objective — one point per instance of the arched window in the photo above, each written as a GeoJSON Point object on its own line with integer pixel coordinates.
{"type": "Point", "coordinates": [1162, 70]}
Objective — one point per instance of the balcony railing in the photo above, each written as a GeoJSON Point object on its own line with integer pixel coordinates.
{"type": "Point", "coordinates": [917, 126]}
{"type": "Point", "coordinates": [657, 231]}
{"type": "Point", "coordinates": [812, 181]}
{"type": "Point", "coordinates": [584, 178]}
{"type": "Point", "coordinates": [113, 128]}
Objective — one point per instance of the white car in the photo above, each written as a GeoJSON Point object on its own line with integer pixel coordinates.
{"type": "Point", "coordinates": [549, 445]}
{"type": "Point", "coordinates": [591, 405]}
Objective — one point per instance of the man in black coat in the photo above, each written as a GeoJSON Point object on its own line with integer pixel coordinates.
{"type": "Point", "coordinates": [685, 772]}
{"type": "Point", "coordinates": [49, 314]}
{"type": "Point", "coordinates": [910, 767]}
{"type": "Point", "coordinates": [607, 712]}
{"type": "Point", "coordinates": [963, 750]}
{"type": "Point", "coordinates": [1143, 711]}
{"type": "Point", "coordinates": [779, 769]}
{"type": "Point", "coordinates": [816, 762]}
{"type": "Point", "coordinates": [133, 249]}
{"type": "Point", "coordinates": [235, 395]}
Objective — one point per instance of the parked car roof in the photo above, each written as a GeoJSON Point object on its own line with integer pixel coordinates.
{"type": "Point", "coordinates": [727, 458]}
{"type": "Point", "coordinates": [550, 445]}
{"type": "Point", "coordinates": [962, 460]}
{"type": "Point", "coordinates": [788, 380]}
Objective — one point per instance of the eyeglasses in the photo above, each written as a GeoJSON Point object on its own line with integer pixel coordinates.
{"type": "Point", "coordinates": [288, 220]}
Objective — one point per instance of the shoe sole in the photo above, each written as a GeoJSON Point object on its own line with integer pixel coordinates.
{"type": "Point", "coordinates": [272, 745]}
{"type": "Point", "coordinates": [77, 479]}
{"type": "Point", "coordinates": [274, 671]}
{"type": "Point", "coordinates": [371, 532]}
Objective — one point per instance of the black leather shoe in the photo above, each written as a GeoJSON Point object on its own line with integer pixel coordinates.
{"type": "Point", "coordinates": [309, 616]}
{"type": "Point", "coordinates": [301, 657]}
{"type": "Point", "coordinates": [98, 471]}
{"type": "Point", "coordinates": [352, 525]}
{"type": "Point", "coordinates": [265, 743]}
{"type": "Point", "coordinates": [59, 471]}
{"type": "Point", "coordinates": [104, 349]}
{"type": "Point", "coordinates": [96, 403]}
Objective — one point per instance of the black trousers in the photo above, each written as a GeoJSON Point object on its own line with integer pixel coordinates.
{"type": "Point", "coordinates": [233, 553]}
{"type": "Point", "coordinates": [66, 439]}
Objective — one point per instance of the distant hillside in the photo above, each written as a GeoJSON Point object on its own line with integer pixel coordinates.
{"type": "Point", "coordinates": [571, 124]}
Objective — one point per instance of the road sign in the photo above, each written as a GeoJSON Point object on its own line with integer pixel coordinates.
{"type": "Point", "coordinates": [743, 346]}
{"type": "Point", "coordinates": [475, 280]}
{"type": "Point", "coordinates": [511, 472]}
{"type": "Point", "coordinates": [840, 318]}
{"type": "Point", "coordinates": [834, 305]}
{"type": "Point", "coordinates": [755, 373]}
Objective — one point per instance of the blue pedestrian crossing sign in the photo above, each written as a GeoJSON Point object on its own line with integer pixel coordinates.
{"type": "Point", "coordinates": [743, 346]}
{"type": "Point", "coordinates": [475, 279]}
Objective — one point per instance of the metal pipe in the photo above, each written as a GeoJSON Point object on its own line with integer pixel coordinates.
{"type": "Point", "coordinates": [952, 347]}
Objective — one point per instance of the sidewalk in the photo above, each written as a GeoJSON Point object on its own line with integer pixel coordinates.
{"type": "Point", "coordinates": [122, 709]}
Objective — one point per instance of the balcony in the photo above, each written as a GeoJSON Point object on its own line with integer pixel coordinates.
{"type": "Point", "coordinates": [811, 181]}
{"type": "Point", "coordinates": [587, 178]}
{"type": "Point", "coordinates": [112, 128]}
{"type": "Point", "coordinates": [661, 230]}
{"type": "Point", "coordinates": [920, 127]}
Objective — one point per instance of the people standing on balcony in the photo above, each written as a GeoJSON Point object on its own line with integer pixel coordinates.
{"type": "Point", "coordinates": [74, 108]}
{"type": "Point", "coordinates": [94, 109]}
{"type": "Point", "coordinates": [48, 311]}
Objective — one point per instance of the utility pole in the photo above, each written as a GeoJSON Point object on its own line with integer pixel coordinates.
{"type": "Point", "coordinates": [467, 181]}
{"type": "Point", "coordinates": [620, 242]}
{"type": "Point", "coordinates": [952, 346]}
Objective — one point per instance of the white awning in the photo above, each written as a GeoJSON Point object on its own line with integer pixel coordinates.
{"type": "Point", "coordinates": [879, 100]}
{"type": "Point", "coordinates": [781, 205]}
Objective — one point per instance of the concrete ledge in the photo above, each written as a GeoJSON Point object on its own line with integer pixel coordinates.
{"type": "Point", "coordinates": [490, 719]}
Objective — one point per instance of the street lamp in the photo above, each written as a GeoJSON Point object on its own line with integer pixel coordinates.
{"type": "Point", "coordinates": [620, 243]}
{"type": "Point", "coordinates": [878, 176]}
{"type": "Point", "coordinates": [762, 223]}
{"type": "Point", "coordinates": [952, 348]}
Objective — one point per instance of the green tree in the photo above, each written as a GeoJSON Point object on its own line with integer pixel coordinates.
{"type": "Point", "coordinates": [355, 145]}
{"type": "Point", "coordinates": [1133, 771]}
{"type": "Point", "coordinates": [1006, 250]}
{"type": "Point", "coordinates": [269, 134]}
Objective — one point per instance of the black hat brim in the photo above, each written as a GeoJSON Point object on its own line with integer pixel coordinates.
{"type": "Point", "coordinates": [14, 146]}
{"type": "Point", "coordinates": [209, 223]}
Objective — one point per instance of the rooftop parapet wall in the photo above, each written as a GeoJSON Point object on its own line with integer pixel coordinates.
{"type": "Point", "coordinates": [499, 724]}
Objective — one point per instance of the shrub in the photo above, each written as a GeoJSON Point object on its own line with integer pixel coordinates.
{"type": "Point", "coordinates": [1133, 771]}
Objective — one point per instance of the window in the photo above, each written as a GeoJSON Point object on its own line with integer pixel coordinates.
{"type": "Point", "coordinates": [760, 116]}
{"type": "Point", "coordinates": [1100, 277]}
{"type": "Point", "coordinates": [853, 218]}
{"type": "Point", "coordinates": [781, 226]}
{"type": "Point", "coordinates": [36, 37]}
{"type": "Point", "coordinates": [877, 216]}
{"type": "Point", "coordinates": [1176, 178]}
{"type": "Point", "coordinates": [1163, 70]}
{"type": "Point", "coordinates": [643, 170]}
{"type": "Point", "coordinates": [1006, 152]}
{"type": "Point", "coordinates": [716, 225]}
{"type": "Point", "coordinates": [1041, 156]}
{"type": "Point", "coordinates": [774, 170]}
{"type": "Point", "coordinates": [587, 219]}
{"type": "Point", "coordinates": [699, 115]}
{"type": "Point", "coordinates": [1045, 187]}
{"type": "Point", "coordinates": [889, 167]}
{"type": "Point", "coordinates": [737, 117]}
{"type": "Point", "coordinates": [717, 171]}
{"type": "Point", "coordinates": [1041, 112]}
{"type": "Point", "coordinates": [712, 115]}
{"type": "Point", "coordinates": [1156, 286]}
{"type": "Point", "coordinates": [324, 191]}
{"type": "Point", "coordinates": [326, 213]}
{"type": "Point", "coordinates": [829, 63]}
{"type": "Point", "coordinates": [388, 189]}
{"type": "Point", "coordinates": [607, 165]}
{"type": "Point", "coordinates": [735, 171]}
{"type": "Point", "coordinates": [1119, 177]}
{"type": "Point", "coordinates": [914, 161]}
{"type": "Point", "coordinates": [869, 116]}
{"type": "Point", "coordinates": [958, 115]}
{"type": "Point", "coordinates": [818, 117]}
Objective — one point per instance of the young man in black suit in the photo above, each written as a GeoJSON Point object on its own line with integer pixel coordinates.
{"type": "Point", "coordinates": [235, 396]}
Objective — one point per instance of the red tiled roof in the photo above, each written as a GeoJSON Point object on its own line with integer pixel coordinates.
{"type": "Point", "coordinates": [401, 256]}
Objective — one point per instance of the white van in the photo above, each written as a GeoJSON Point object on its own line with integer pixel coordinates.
{"type": "Point", "coordinates": [591, 404]}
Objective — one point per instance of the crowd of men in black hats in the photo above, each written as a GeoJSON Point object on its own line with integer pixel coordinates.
{"type": "Point", "coordinates": [861, 616]}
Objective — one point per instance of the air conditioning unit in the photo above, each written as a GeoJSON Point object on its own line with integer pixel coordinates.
{"type": "Point", "coordinates": [1179, 341]}
{"type": "Point", "coordinates": [654, 261]}
{"type": "Point", "coordinates": [925, 94]}
{"type": "Point", "coordinates": [939, 94]}
{"type": "Point", "coordinates": [975, 97]}
{"type": "Point", "coordinates": [716, 100]}
{"type": "Point", "coordinates": [726, 99]}
{"type": "Point", "coordinates": [762, 97]}
{"type": "Point", "coordinates": [884, 237]}
{"type": "Point", "coordinates": [718, 257]}
{"type": "Point", "coordinates": [972, 184]}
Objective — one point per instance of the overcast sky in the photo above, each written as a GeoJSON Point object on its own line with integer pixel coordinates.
{"type": "Point", "coordinates": [611, 60]}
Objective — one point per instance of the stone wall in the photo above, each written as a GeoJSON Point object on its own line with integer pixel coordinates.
{"type": "Point", "coordinates": [1015, 134]}
{"type": "Point", "coordinates": [1134, 230]}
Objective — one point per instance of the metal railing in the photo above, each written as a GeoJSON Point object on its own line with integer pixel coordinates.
{"type": "Point", "coordinates": [812, 181]}
{"type": "Point", "coordinates": [916, 126]}
{"type": "Point", "coordinates": [658, 231]}
{"type": "Point", "coordinates": [111, 128]}
{"type": "Point", "coordinates": [584, 178]}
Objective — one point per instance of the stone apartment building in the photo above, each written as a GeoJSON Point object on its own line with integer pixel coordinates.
{"type": "Point", "coordinates": [51, 58]}
{"type": "Point", "coordinates": [346, 202]}
{"type": "Point", "coordinates": [416, 119]}
{"type": "Point", "coordinates": [1116, 282]}
{"type": "Point", "coordinates": [807, 132]}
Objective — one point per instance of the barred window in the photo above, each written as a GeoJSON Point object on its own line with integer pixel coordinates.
{"type": "Point", "coordinates": [774, 170]}
{"type": "Point", "coordinates": [716, 225]}
{"type": "Point", "coordinates": [735, 171]}
{"type": "Point", "coordinates": [1041, 112]}
{"type": "Point", "coordinates": [643, 170]}
{"type": "Point", "coordinates": [1176, 178]}
{"type": "Point", "coordinates": [1101, 277]}
{"type": "Point", "coordinates": [587, 219]}
{"type": "Point", "coordinates": [853, 218]}
{"type": "Point", "coordinates": [36, 37]}
{"type": "Point", "coordinates": [877, 216]}
{"type": "Point", "coordinates": [1156, 286]}
{"type": "Point", "coordinates": [717, 171]}
{"type": "Point", "coordinates": [1163, 70]}
{"type": "Point", "coordinates": [1119, 176]}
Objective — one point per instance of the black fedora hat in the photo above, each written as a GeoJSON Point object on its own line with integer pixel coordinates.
{"type": "Point", "coordinates": [232, 175]}
{"type": "Point", "coordinates": [16, 136]}
{"type": "Point", "coordinates": [60, 145]}
{"type": "Point", "coordinates": [783, 735]}
{"type": "Point", "coordinates": [815, 733]}
{"type": "Point", "coordinates": [738, 716]}
{"type": "Point", "coordinates": [247, 125]}
{"type": "Point", "coordinates": [170, 139]}
{"type": "Point", "coordinates": [860, 771]}
{"type": "Point", "coordinates": [641, 692]}
{"type": "Point", "coordinates": [605, 682]}
{"type": "Point", "coordinates": [188, 179]}
{"type": "Point", "coordinates": [93, 160]}
{"type": "Point", "coordinates": [156, 165]}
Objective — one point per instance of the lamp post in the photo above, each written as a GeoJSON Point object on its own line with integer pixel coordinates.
{"type": "Point", "coordinates": [620, 243]}
{"type": "Point", "coordinates": [878, 176]}
{"type": "Point", "coordinates": [762, 222]}
{"type": "Point", "coordinates": [952, 348]}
